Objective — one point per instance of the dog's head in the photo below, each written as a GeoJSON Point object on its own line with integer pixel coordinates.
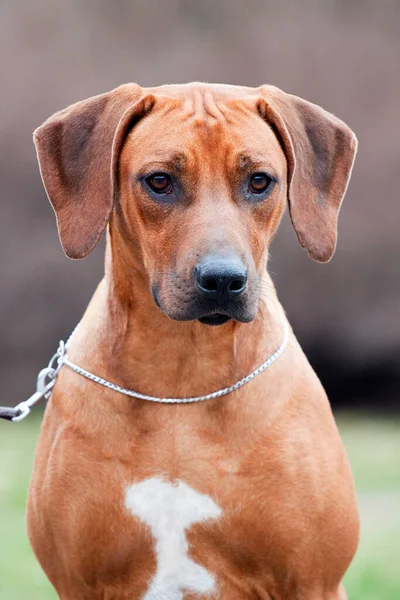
{"type": "Point", "coordinates": [193, 180]}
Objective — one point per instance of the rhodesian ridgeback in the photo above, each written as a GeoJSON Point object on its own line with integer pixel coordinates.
{"type": "Point", "coordinates": [236, 495]}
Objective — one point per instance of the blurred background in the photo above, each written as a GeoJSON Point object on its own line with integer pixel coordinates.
{"type": "Point", "coordinates": [341, 54]}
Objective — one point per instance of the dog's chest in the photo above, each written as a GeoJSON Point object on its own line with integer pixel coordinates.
{"type": "Point", "coordinates": [180, 534]}
{"type": "Point", "coordinates": [170, 510]}
{"type": "Point", "coordinates": [201, 529]}
{"type": "Point", "coordinates": [197, 538]}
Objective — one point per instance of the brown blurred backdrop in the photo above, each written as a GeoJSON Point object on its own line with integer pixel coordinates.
{"type": "Point", "coordinates": [341, 54]}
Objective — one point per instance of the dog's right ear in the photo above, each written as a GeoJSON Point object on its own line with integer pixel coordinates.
{"type": "Point", "coordinates": [78, 150]}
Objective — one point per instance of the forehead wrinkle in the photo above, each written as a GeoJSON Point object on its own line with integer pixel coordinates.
{"type": "Point", "coordinates": [202, 106]}
{"type": "Point", "coordinates": [211, 106]}
{"type": "Point", "coordinates": [193, 106]}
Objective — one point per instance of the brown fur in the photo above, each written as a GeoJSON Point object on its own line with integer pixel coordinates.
{"type": "Point", "coordinates": [270, 452]}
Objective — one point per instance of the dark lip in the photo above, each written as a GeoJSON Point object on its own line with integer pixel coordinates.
{"type": "Point", "coordinates": [155, 296]}
{"type": "Point", "coordinates": [215, 319]}
{"type": "Point", "coordinates": [207, 318]}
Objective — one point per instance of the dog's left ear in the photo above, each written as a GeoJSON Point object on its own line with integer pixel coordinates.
{"type": "Point", "coordinates": [320, 151]}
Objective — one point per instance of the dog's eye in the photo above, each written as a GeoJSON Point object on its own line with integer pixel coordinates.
{"type": "Point", "coordinates": [160, 183]}
{"type": "Point", "coordinates": [259, 183]}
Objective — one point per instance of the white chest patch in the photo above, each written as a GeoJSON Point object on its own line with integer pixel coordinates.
{"type": "Point", "coordinates": [169, 509]}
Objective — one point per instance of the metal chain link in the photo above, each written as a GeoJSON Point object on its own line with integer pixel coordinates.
{"type": "Point", "coordinates": [44, 385]}
{"type": "Point", "coordinates": [47, 378]}
{"type": "Point", "coordinates": [116, 388]}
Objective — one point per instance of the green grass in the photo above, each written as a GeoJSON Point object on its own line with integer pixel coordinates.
{"type": "Point", "coordinates": [20, 575]}
{"type": "Point", "coordinates": [373, 446]}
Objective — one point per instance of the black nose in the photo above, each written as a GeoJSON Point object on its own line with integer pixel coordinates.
{"type": "Point", "coordinates": [221, 278]}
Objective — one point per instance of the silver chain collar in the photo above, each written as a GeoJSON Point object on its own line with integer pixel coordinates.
{"type": "Point", "coordinates": [47, 378]}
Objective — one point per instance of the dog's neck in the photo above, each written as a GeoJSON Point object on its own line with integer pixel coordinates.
{"type": "Point", "coordinates": [133, 343]}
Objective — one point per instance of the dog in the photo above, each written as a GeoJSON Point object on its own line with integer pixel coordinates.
{"type": "Point", "coordinates": [244, 495]}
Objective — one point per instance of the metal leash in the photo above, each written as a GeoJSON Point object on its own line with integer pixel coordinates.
{"type": "Point", "coordinates": [44, 384]}
{"type": "Point", "coordinates": [47, 378]}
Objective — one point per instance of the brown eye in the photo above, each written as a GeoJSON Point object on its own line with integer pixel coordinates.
{"type": "Point", "coordinates": [259, 183]}
{"type": "Point", "coordinates": [160, 183]}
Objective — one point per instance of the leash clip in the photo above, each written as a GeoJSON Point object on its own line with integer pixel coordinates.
{"type": "Point", "coordinates": [44, 384]}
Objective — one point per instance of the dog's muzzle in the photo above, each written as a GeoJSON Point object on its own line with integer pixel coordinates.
{"type": "Point", "coordinates": [219, 289]}
{"type": "Point", "coordinates": [220, 281]}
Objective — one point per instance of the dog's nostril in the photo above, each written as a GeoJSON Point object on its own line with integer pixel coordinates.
{"type": "Point", "coordinates": [209, 284]}
{"type": "Point", "coordinates": [236, 285]}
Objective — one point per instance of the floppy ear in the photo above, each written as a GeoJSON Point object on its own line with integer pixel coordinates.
{"type": "Point", "coordinates": [320, 151]}
{"type": "Point", "coordinates": [78, 150]}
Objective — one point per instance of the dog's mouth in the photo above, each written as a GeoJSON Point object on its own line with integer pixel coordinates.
{"type": "Point", "coordinates": [215, 319]}
{"type": "Point", "coordinates": [205, 314]}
